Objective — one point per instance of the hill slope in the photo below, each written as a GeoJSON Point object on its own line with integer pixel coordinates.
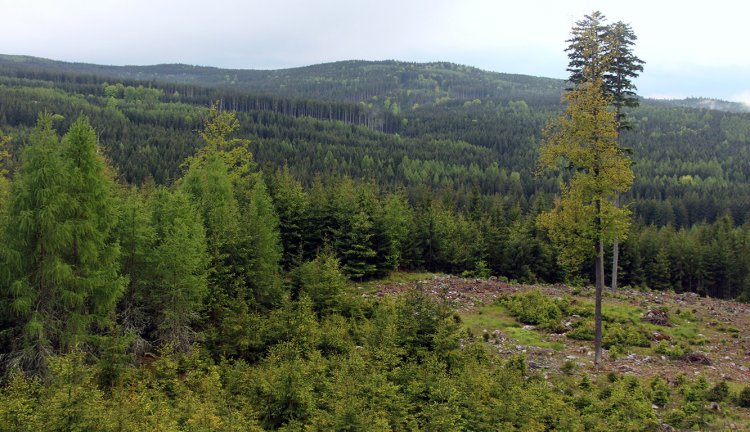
{"type": "Point", "coordinates": [457, 127]}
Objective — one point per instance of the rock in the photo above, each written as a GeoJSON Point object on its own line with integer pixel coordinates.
{"type": "Point", "coordinates": [714, 406]}
{"type": "Point", "coordinates": [666, 428]}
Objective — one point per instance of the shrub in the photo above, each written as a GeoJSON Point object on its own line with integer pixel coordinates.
{"type": "Point", "coordinates": [568, 367]}
{"type": "Point", "coordinates": [582, 330]}
{"type": "Point", "coordinates": [624, 336]}
{"type": "Point", "coordinates": [660, 392]}
{"type": "Point", "coordinates": [535, 308]}
{"type": "Point", "coordinates": [719, 392]}
{"type": "Point", "coordinates": [674, 352]}
{"type": "Point", "coordinates": [743, 399]}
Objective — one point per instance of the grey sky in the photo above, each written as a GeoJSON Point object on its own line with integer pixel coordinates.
{"type": "Point", "coordinates": [689, 50]}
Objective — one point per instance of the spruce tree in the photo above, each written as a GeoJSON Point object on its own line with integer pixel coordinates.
{"type": "Point", "coordinates": [397, 220]}
{"type": "Point", "coordinates": [62, 261]}
{"type": "Point", "coordinates": [216, 133]}
{"type": "Point", "coordinates": [135, 232]}
{"type": "Point", "coordinates": [96, 284]}
{"type": "Point", "coordinates": [587, 54]}
{"type": "Point", "coordinates": [291, 206]}
{"type": "Point", "coordinates": [4, 182]}
{"type": "Point", "coordinates": [177, 277]}
{"type": "Point", "coordinates": [584, 138]}
{"type": "Point", "coordinates": [265, 247]}
{"type": "Point", "coordinates": [322, 281]}
{"type": "Point", "coordinates": [603, 51]}
{"type": "Point", "coordinates": [36, 236]}
{"type": "Point", "coordinates": [211, 191]}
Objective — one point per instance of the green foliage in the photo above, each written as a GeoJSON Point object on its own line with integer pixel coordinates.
{"type": "Point", "coordinates": [202, 261]}
{"type": "Point", "coordinates": [718, 393]}
{"type": "Point", "coordinates": [693, 411]}
{"type": "Point", "coordinates": [583, 330]}
{"type": "Point", "coordinates": [674, 352]}
{"type": "Point", "coordinates": [626, 336]}
{"type": "Point", "coordinates": [177, 277]}
{"type": "Point", "coordinates": [743, 399]}
{"type": "Point", "coordinates": [322, 281]}
{"type": "Point", "coordinates": [481, 271]}
{"type": "Point", "coordinates": [533, 307]}
{"type": "Point", "coordinates": [442, 151]}
{"type": "Point", "coordinates": [660, 392]}
{"type": "Point", "coordinates": [63, 263]}
{"type": "Point", "coordinates": [264, 247]}
{"type": "Point", "coordinates": [626, 407]}
{"type": "Point", "coordinates": [584, 137]}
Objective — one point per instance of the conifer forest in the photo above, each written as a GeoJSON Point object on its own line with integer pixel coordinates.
{"type": "Point", "coordinates": [371, 246]}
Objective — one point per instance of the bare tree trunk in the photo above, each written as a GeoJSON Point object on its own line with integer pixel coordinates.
{"type": "Point", "coordinates": [599, 288]}
{"type": "Point", "coordinates": [616, 243]}
{"type": "Point", "coordinates": [615, 253]}
{"type": "Point", "coordinates": [598, 307]}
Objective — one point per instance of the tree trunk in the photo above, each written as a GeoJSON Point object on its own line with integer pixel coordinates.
{"type": "Point", "coordinates": [615, 253]}
{"type": "Point", "coordinates": [598, 307]}
{"type": "Point", "coordinates": [599, 288]}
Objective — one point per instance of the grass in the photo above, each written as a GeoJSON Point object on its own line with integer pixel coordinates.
{"type": "Point", "coordinates": [612, 311]}
{"type": "Point", "coordinates": [496, 317]}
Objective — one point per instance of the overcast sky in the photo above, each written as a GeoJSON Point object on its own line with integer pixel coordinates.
{"type": "Point", "coordinates": [689, 50]}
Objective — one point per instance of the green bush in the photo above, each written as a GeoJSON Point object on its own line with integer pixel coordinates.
{"type": "Point", "coordinates": [674, 352]}
{"type": "Point", "coordinates": [743, 399]}
{"type": "Point", "coordinates": [582, 330]}
{"type": "Point", "coordinates": [718, 393]}
{"type": "Point", "coordinates": [625, 407]}
{"type": "Point", "coordinates": [568, 367]}
{"type": "Point", "coordinates": [660, 392]}
{"type": "Point", "coordinates": [535, 308]}
{"type": "Point", "coordinates": [625, 336]}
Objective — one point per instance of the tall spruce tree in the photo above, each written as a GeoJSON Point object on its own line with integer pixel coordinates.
{"type": "Point", "coordinates": [96, 284]}
{"type": "Point", "coordinates": [265, 248]}
{"type": "Point", "coordinates": [603, 51]}
{"type": "Point", "coordinates": [587, 53]}
{"type": "Point", "coordinates": [624, 66]}
{"type": "Point", "coordinates": [290, 202]}
{"type": "Point", "coordinates": [62, 261]}
{"type": "Point", "coordinates": [4, 182]}
{"type": "Point", "coordinates": [135, 232]}
{"type": "Point", "coordinates": [177, 264]}
{"type": "Point", "coordinates": [584, 138]}
{"type": "Point", "coordinates": [211, 191]}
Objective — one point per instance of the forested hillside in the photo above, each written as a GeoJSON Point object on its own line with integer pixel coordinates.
{"type": "Point", "coordinates": [194, 249]}
{"type": "Point", "coordinates": [444, 133]}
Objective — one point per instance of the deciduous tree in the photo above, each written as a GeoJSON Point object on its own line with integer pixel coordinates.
{"type": "Point", "coordinates": [584, 140]}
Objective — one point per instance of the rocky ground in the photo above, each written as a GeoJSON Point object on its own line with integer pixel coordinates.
{"type": "Point", "coordinates": [718, 331]}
